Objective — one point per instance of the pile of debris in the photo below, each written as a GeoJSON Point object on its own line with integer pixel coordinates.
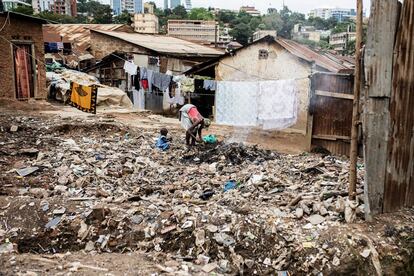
{"type": "Point", "coordinates": [99, 186]}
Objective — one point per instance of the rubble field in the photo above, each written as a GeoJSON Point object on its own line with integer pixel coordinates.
{"type": "Point", "coordinates": [94, 196]}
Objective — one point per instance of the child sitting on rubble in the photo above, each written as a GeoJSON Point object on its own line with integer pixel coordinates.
{"type": "Point", "coordinates": [163, 143]}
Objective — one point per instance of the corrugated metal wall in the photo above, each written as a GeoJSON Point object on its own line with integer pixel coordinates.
{"type": "Point", "coordinates": [331, 108]}
{"type": "Point", "coordinates": [399, 183]}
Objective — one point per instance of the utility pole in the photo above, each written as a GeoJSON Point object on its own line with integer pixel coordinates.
{"type": "Point", "coordinates": [355, 110]}
{"type": "Point", "coordinates": [216, 35]}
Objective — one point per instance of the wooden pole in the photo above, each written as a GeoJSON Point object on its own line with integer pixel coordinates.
{"type": "Point", "coordinates": [355, 112]}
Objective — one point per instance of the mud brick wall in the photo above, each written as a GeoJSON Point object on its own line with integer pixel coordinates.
{"type": "Point", "coordinates": [22, 30]}
{"type": "Point", "coordinates": [103, 45]}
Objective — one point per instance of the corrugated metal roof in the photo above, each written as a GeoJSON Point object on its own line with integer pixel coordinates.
{"type": "Point", "coordinates": [304, 52]}
{"type": "Point", "coordinates": [164, 44]}
{"type": "Point", "coordinates": [76, 33]}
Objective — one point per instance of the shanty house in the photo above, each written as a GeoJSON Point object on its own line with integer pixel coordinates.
{"type": "Point", "coordinates": [276, 59]}
{"type": "Point", "coordinates": [22, 68]}
{"type": "Point", "coordinates": [156, 52]}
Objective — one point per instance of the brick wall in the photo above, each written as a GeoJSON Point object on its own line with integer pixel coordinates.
{"type": "Point", "coordinates": [103, 45]}
{"type": "Point", "coordinates": [27, 30]}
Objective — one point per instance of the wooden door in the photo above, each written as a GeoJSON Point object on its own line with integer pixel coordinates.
{"type": "Point", "coordinates": [24, 75]}
{"type": "Point", "coordinates": [331, 109]}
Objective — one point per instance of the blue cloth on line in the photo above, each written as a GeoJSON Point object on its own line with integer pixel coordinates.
{"type": "Point", "coordinates": [162, 143]}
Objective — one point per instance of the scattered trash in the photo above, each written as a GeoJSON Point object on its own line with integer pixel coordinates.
{"type": "Point", "coordinates": [27, 171]}
{"type": "Point", "coordinates": [210, 139]}
{"type": "Point", "coordinates": [55, 221]}
{"type": "Point", "coordinates": [230, 185]}
{"type": "Point", "coordinates": [14, 128]}
{"type": "Point", "coordinates": [207, 194]}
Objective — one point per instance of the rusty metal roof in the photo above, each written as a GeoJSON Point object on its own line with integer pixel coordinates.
{"type": "Point", "coordinates": [76, 33]}
{"type": "Point", "coordinates": [164, 44]}
{"type": "Point", "coordinates": [304, 52]}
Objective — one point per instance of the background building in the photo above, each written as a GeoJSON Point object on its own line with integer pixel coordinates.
{"type": "Point", "coordinates": [339, 14]}
{"type": "Point", "coordinates": [188, 4]}
{"type": "Point", "coordinates": [12, 4]}
{"type": "Point", "coordinates": [250, 10]}
{"type": "Point", "coordinates": [116, 7]}
{"type": "Point", "coordinates": [193, 30]}
{"type": "Point", "coordinates": [67, 7]}
{"type": "Point", "coordinates": [262, 33]}
{"type": "Point", "coordinates": [132, 6]}
{"type": "Point", "coordinates": [340, 41]}
{"type": "Point", "coordinates": [138, 7]}
{"type": "Point", "coordinates": [306, 32]}
{"type": "Point", "coordinates": [174, 3]}
{"type": "Point", "coordinates": [146, 23]}
{"type": "Point", "coordinates": [165, 4]}
{"type": "Point", "coordinates": [148, 8]}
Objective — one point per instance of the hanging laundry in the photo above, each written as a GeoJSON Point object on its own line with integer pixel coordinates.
{"type": "Point", "coordinates": [268, 104]}
{"type": "Point", "coordinates": [84, 97]}
{"type": "Point", "coordinates": [161, 81]}
{"type": "Point", "coordinates": [130, 68]}
{"type": "Point", "coordinates": [139, 99]}
{"type": "Point", "coordinates": [60, 45]}
{"type": "Point", "coordinates": [150, 75]}
{"type": "Point", "coordinates": [187, 84]}
{"type": "Point", "coordinates": [236, 103]}
{"type": "Point", "coordinates": [144, 84]}
{"type": "Point", "coordinates": [277, 104]}
{"type": "Point", "coordinates": [209, 85]}
{"type": "Point", "coordinates": [136, 82]}
{"type": "Point", "coordinates": [143, 73]}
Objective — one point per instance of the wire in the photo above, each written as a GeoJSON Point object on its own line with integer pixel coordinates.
{"type": "Point", "coordinates": [5, 21]}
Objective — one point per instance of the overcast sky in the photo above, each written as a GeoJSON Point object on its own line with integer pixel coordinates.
{"type": "Point", "coordinates": [303, 6]}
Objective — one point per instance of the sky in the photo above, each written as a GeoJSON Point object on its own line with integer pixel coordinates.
{"type": "Point", "coordinates": [303, 6]}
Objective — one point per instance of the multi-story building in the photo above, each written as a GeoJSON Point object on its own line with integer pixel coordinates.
{"type": "Point", "coordinates": [67, 7]}
{"type": "Point", "coordinates": [250, 10]}
{"type": "Point", "coordinates": [306, 32]}
{"type": "Point", "coordinates": [9, 5]}
{"type": "Point", "coordinates": [193, 30]}
{"type": "Point", "coordinates": [148, 8]}
{"type": "Point", "coordinates": [146, 23]}
{"type": "Point", "coordinates": [262, 33]}
{"type": "Point", "coordinates": [174, 3]}
{"type": "Point", "coordinates": [166, 4]}
{"type": "Point", "coordinates": [188, 5]}
{"type": "Point", "coordinates": [339, 14]}
{"type": "Point", "coordinates": [132, 6]}
{"type": "Point", "coordinates": [340, 41]}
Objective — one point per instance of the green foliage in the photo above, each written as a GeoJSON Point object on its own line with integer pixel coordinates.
{"type": "Point", "coordinates": [344, 26]}
{"type": "Point", "coordinates": [200, 14]}
{"type": "Point", "coordinates": [322, 24]}
{"type": "Point", "coordinates": [123, 18]}
{"type": "Point", "coordinates": [23, 9]}
{"type": "Point", "coordinates": [273, 21]}
{"type": "Point", "coordinates": [226, 17]}
{"type": "Point", "coordinates": [60, 18]}
{"type": "Point", "coordinates": [241, 32]}
{"type": "Point", "coordinates": [102, 14]}
{"type": "Point", "coordinates": [179, 12]}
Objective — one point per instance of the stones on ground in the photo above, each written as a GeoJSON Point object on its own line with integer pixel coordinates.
{"type": "Point", "coordinates": [27, 171]}
{"type": "Point", "coordinates": [316, 219]}
{"type": "Point", "coordinates": [299, 213]}
{"type": "Point", "coordinates": [59, 211]}
{"type": "Point", "coordinates": [336, 261]}
{"type": "Point", "coordinates": [209, 267]}
{"type": "Point", "coordinates": [200, 237]}
{"type": "Point", "coordinates": [223, 239]}
{"type": "Point", "coordinates": [365, 253]}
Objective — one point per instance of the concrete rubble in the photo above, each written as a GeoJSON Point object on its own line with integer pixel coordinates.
{"type": "Point", "coordinates": [103, 187]}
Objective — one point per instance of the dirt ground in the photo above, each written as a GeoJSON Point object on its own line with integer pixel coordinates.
{"type": "Point", "coordinates": [104, 201]}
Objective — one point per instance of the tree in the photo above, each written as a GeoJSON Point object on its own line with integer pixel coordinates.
{"type": "Point", "coordinates": [273, 21]}
{"type": "Point", "coordinates": [23, 9]}
{"type": "Point", "coordinates": [123, 18]}
{"type": "Point", "coordinates": [241, 32]}
{"type": "Point", "coordinates": [200, 14]}
{"type": "Point", "coordinates": [60, 18]}
{"type": "Point", "coordinates": [179, 12]}
{"type": "Point", "coordinates": [102, 14]}
{"type": "Point", "coordinates": [290, 19]}
{"type": "Point", "coordinates": [226, 17]}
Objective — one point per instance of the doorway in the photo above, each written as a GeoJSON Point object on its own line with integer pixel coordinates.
{"type": "Point", "coordinates": [24, 71]}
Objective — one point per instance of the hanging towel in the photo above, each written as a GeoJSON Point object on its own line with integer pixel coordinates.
{"type": "Point", "coordinates": [130, 68]}
{"type": "Point", "coordinates": [161, 81]}
{"type": "Point", "coordinates": [209, 85]}
{"type": "Point", "coordinates": [236, 103]}
{"type": "Point", "coordinates": [144, 84]}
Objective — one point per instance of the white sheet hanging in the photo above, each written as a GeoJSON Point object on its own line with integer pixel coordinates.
{"type": "Point", "coordinates": [130, 68]}
{"type": "Point", "coordinates": [139, 99]}
{"type": "Point", "coordinates": [277, 104]}
{"type": "Point", "coordinates": [268, 104]}
{"type": "Point", "coordinates": [236, 103]}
